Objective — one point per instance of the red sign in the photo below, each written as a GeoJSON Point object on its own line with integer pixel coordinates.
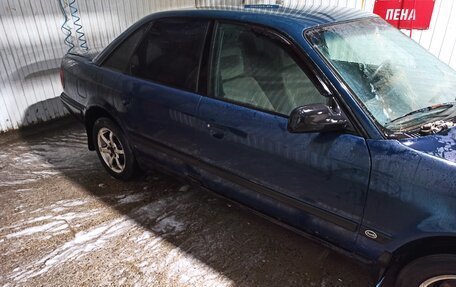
{"type": "Point", "coordinates": [406, 14]}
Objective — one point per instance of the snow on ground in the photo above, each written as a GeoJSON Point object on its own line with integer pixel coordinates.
{"type": "Point", "coordinates": [65, 222]}
{"type": "Point", "coordinates": [131, 198]}
{"type": "Point", "coordinates": [148, 244]}
{"type": "Point", "coordinates": [28, 163]}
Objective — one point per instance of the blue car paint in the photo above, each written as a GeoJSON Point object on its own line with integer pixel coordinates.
{"type": "Point", "coordinates": [167, 118]}
{"type": "Point", "coordinates": [404, 190]}
{"type": "Point", "coordinates": [411, 194]}
{"type": "Point", "coordinates": [320, 170]}
{"type": "Point", "coordinates": [442, 145]}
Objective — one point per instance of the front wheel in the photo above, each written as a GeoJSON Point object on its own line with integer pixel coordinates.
{"type": "Point", "coordinates": [430, 271]}
{"type": "Point", "coordinates": [113, 149]}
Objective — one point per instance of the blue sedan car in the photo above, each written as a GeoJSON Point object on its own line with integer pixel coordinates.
{"type": "Point", "coordinates": [329, 121]}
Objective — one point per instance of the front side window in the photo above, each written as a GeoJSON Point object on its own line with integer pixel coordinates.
{"type": "Point", "coordinates": [252, 69]}
{"type": "Point", "coordinates": [401, 84]}
{"type": "Point", "coordinates": [170, 53]}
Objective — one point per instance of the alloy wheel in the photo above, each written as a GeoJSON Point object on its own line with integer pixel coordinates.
{"type": "Point", "coordinates": [111, 150]}
{"type": "Point", "coordinates": [440, 281]}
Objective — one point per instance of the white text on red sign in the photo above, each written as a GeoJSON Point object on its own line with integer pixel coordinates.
{"type": "Point", "coordinates": [400, 14]}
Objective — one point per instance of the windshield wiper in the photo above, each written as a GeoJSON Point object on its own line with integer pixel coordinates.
{"type": "Point", "coordinates": [442, 107]}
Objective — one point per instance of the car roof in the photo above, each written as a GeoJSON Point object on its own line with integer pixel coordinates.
{"type": "Point", "coordinates": [279, 17]}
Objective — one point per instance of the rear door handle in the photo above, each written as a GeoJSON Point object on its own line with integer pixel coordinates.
{"type": "Point", "coordinates": [125, 101]}
{"type": "Point", "coordinates": [216, 131]}
{"type": "Point", "coordinates": [125, 98]}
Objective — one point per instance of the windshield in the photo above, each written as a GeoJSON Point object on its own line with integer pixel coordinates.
{"type": "Point", "coordinates": [391, 74]}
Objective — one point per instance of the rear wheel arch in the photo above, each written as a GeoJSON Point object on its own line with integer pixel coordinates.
{"type": "Point", "coordinates": [90, 117]}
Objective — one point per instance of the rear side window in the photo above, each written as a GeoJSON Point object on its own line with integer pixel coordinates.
{"type": "Point", "coordinates": [171, 52]}
{"type": "Point", "coordinates": [119, 59]}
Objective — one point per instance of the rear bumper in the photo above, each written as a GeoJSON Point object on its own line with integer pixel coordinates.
{"type": "Point", "coordinates": [75, 108]}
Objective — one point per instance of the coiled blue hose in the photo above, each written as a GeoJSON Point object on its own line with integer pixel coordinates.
{"type": "Point", "coordinates": [77, 22]}
{"type": "Point", "coordinates": [72, 5]}
{"type": "Point", "coordinates": [65, 27]}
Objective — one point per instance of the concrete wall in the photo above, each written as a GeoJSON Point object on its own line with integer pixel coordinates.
{"type": "Point", "coordinates": [32, 44]}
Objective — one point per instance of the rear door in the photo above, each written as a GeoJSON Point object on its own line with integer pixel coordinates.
{"type": "Point", "coordinates": [314, 181]}
{"type": "Point", "coordinates": [158, 90]}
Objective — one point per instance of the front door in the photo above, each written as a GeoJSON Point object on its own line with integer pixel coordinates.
{"type": "Point", "coordinates": [314, 181]}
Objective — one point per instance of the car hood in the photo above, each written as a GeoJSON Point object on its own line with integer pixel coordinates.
{"type": "Point", "coordinates": [442, 145]}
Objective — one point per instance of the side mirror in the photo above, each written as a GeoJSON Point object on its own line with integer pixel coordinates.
{"type": "Point", "coordinates": [316, 118]}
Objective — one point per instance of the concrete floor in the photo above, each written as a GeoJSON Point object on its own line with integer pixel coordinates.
{"type": "Point", "coordinates": [65, 222]}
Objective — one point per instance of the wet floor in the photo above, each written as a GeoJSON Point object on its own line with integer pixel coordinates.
{"type": "Point", "coordinates": [65, 222]}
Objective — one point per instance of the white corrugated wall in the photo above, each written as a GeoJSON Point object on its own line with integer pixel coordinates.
{"type": "Point", "coordinates": [32, 44]}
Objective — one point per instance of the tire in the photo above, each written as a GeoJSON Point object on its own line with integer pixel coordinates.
{"type": "Point", "coordinates": [113, 149]}
{"type": "Point", "coordinates": [429, 271]}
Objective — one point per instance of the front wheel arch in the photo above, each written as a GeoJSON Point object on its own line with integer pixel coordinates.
{"type": "Point", "coordinates": [414, 250]}
{"type": "Point", "coordinates": [429, 271]}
